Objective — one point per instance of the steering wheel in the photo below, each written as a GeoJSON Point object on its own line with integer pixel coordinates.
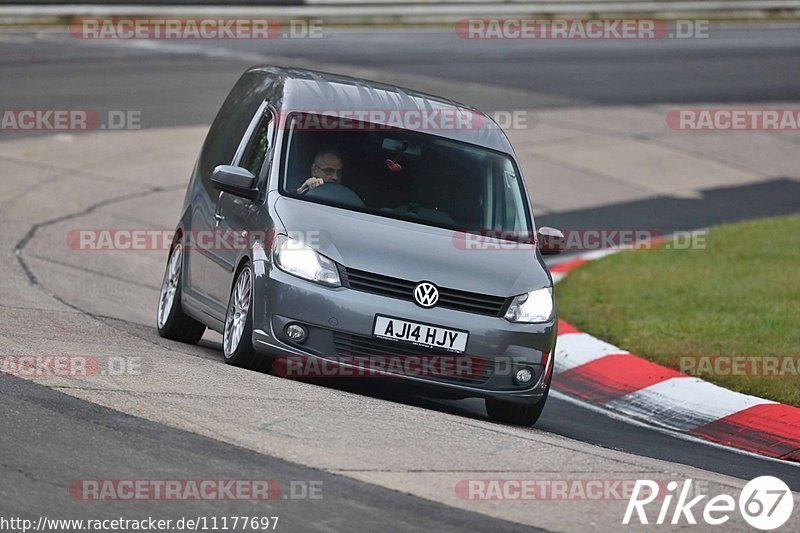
{"type": "Point", "coordinates": [305, 189]}
{"type": "Point", "coordinates": [336, 193]}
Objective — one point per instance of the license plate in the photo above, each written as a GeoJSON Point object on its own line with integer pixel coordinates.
{"type": "Point", "coordinates": [427, 335]}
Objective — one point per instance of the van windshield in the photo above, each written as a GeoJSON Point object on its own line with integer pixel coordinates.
{"type": "Point", "coordinates": [403, 174]}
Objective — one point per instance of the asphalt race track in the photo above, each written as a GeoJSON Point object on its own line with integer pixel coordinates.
{"type": "Point", "coordinates": [381, 459]}
{"type": "Point", "coordinates": [735, 64]}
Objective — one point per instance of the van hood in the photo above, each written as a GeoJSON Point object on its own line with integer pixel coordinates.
{"type": "Point", "coordinates": [412, 251]}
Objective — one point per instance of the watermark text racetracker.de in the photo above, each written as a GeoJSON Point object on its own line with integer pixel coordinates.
{"type": "Point", "coordinates": [580, 239]}
{"type": "Point", "coordinates": [411, 118]}
{"type": "Point", "coordinates": [580, 29]}
{"type": "Point", "coordinates": [734, 119]}
{"type": "Point", "coordinates": [441, 366]}
{"type": "Point", "coordinates": [133, 490]}
{"type": "Point", "coordinates": [145, 239]}
{"type": "Point", "coordinates": [61, 120]}
{"type": "Point", "coordinates": [547, 489]}
{"type": "Point", "coordinates": [68, 366]}
{"type": "Point", "coordinates": [174, 28]}
{"type": "Point", "coordinates": [739, 365]}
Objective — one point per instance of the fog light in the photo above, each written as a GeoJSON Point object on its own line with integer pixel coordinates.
{"type": "Point", "coordinates": [523, 375]}
{"type": "Point", "coordinates": [296, 332]}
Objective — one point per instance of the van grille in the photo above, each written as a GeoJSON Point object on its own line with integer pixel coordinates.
{"type": "Point", "coordinates": [404, 289]}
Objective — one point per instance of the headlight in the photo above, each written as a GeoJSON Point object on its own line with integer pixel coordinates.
{"type": "Point", "coordinates": [297, 259]}
{"type": "Point", "coordinates": [535, 306]}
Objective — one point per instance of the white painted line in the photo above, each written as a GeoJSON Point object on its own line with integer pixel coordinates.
{"type": "Point", "coordinates": [683, 404]}
{"type": "Point", "coordinates": [576, 349]}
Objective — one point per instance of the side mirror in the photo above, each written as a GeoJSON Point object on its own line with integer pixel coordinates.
{"type": "Point", "coordinates": [550, 240]}
{"type": "Point", "coordinates": [235, 180]}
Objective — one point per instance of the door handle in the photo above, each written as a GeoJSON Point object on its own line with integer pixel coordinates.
{"type": "Point", "coordinates": [218, 218]}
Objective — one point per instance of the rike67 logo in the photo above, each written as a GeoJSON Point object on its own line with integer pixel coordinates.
{"type": "Point", "coordinates": [765, 503]}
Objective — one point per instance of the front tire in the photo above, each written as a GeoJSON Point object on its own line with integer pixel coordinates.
{"type": "Point", "coordinates": [516, 413]}
{"type": "Point", "coordinates": [171, 321]}
{"type": "Point", "coordinates": [237, 337]}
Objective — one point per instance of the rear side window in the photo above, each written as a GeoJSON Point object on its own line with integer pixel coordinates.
{"type": "Point", "coordinates": [232, 122]}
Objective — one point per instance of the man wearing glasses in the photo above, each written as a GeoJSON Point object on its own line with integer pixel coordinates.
{"type": "Point", "coordinates": [326, 168]}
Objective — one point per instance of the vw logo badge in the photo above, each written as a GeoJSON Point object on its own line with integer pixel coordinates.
{"type": "Point", "coordinates": [426, 294]}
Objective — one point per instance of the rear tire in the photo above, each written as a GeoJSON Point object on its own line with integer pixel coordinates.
{"type": "Point", "coordinates": [171, 321]}
{"type": "Point", "coordinates": [516, 413]}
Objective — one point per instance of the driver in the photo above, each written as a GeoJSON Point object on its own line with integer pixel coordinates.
{"type": "Point", "coordinates": [326, 168]}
